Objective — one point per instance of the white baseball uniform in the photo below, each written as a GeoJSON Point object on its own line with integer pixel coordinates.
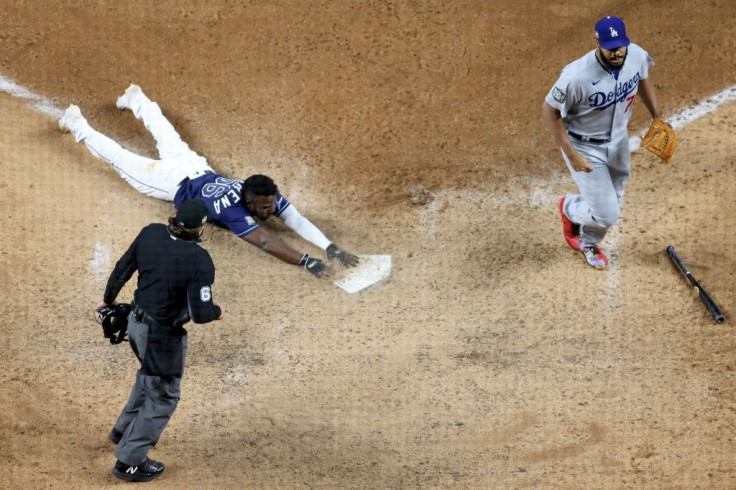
{"type": "Point", "coordinates": [164, 178]}
{"type": "Point", "coordinates": [155, 178]}
{"type": "Point", "coordinates": [596, 106]}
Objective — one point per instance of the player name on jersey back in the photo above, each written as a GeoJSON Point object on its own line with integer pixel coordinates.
{"type": "Point", "coordinates": [222, 193]}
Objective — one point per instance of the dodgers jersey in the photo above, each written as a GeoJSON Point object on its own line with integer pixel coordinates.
{"type": "Point", "coordinates": [223, 197]}
{"type": "Point", "coordinates": [597, 103]}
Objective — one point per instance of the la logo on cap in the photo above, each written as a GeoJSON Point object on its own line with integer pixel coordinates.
{"type": "Point", "coordinates": [611, 33]}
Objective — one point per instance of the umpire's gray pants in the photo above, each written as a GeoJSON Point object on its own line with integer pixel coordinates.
{"type": "Point", "coordinates": [153, 399]}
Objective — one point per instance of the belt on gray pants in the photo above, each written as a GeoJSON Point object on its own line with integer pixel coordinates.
{"type": "Point", "coordinates": [588, 139]}
{"type": "Point", "coordinates": [143, 317]}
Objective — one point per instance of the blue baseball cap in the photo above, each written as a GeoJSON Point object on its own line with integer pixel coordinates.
{"type": "Point", "coordinates": [611, 33]}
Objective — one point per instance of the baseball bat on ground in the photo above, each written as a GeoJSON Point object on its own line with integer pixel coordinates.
{"type": "Point", "coordinates": [704, 296]}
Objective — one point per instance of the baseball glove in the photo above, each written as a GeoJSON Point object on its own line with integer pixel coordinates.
{"type": "Point", "coordinates": [114, 321]}
{"type": "Point", "coordinates": [660, 140]}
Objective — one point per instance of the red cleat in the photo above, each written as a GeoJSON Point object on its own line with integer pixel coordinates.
{"type": "Point", "coordinates": [570, 230]}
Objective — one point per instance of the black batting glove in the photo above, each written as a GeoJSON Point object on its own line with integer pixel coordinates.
{"type": "Point", "coordinates": [345, 258]}
{"type": "Point", "coordinates": [314, 266]}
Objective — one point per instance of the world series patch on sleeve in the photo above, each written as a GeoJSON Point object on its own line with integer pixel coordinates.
{"type": "Point", "coordinates": [660, 140]}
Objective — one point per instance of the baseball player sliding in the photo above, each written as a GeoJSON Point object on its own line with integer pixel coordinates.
{"type": "Point", "coordinates": [588, 111]}
{"type": "Point", "coordinates": [181, 174]}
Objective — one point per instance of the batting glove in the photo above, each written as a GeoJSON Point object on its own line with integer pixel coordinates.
{"type": "Point", "coordinates": [347, 259]}
{"type": "Point", "coordinates": [314, 266]}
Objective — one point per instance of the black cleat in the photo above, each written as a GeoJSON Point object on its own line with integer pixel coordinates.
{"type": "Point", "coordinates": [146, 471]}
{"type": "Point", "coordinates": [114, 436]}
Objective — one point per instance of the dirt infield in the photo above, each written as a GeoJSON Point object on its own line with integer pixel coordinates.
{"type": "Point", "coordinates": [492, 358]}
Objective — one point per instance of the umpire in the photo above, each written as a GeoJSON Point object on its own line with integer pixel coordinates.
{"type": "Point", "coordinates": [175, 277]}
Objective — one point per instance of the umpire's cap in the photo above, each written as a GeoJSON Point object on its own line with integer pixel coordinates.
{"type": "Point", "coordinates": [192, 214]}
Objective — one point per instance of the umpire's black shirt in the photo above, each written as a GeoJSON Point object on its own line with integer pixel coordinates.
{"type": "Point", "coordinates": [175, 277]}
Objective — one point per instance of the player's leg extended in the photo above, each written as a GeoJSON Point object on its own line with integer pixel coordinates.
{"type": "Point", "coordinates": [168, 141]}
{"type": "Point", "coordinates": [153, 178]}
{"type": "Point", "coordinates": [596, 208]}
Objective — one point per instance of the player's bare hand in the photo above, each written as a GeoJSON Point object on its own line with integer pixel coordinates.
{"type": "Point", "coordinates": [580, 164]}
{"type": "Point", "coordinates": [347, 259]}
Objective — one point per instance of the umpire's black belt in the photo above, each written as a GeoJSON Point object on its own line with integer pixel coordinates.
{"type": "Point", "coordinates": [165, 347]}
{"type": "Point", "coordinates": [588, 139]}
{"type": "Point", "coordinates": [143, 317]}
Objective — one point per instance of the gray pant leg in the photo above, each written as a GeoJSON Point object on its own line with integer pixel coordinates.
{"type": "Point", "coordinates": [161, 395]}
{"type": "Point", "coordinates": [135, 400]}
{"type": "Point", "coordinates": [138, 334]}
{"type": "Point", "coordinates": [151, 403]}
{"type": "Point", "coordinates": [597, 207]}
{"type": "Point", "coordinates": [619, 164]}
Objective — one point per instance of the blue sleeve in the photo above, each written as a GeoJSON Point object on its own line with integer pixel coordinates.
{"type": "Point", "coordinates": [238, 220]}
{"type": "Point", "coordinates": [281, 204]}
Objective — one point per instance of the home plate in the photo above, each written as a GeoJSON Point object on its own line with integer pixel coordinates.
{"type": "Point", "coordinates": [370, 270]}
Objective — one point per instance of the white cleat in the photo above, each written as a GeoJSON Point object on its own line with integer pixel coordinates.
{"type": "Point", "coordinates": [71, 117]}
{"type": "Point", "coordinates": [125, 101]}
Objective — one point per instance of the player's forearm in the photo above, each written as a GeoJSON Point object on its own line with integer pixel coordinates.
{"type": "Point", "coordinates": [553, 121]}
{"type": "Point", "coordinates": [648, 97]}
{"type": "Point", "coordinates": [283, 252]}
{"type": "Point", "coordinates": [276, 247]}
{"type": "Point", "coordinates": [304, 228]}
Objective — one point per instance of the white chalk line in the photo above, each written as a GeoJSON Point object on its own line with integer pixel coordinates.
{"type": "Point", "coordinates": [686, 116]}
{"type": "Point", "coordinates": [541, 191]}
{"type": "Point", "coordinates": [546, 192]}
{"type": "Point", "coordinates": [39, 103]}
{"type": "Point", "coordinates": [612, 280]}
{"type": "Point", "coordinates": [100, 261]}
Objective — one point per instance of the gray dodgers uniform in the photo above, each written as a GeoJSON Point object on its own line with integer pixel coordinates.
{"type": "Point", "coordinates": [596, 106]}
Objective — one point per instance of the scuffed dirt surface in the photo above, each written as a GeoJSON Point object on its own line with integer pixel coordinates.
{"type": "Point", "coordinates": [492, 357]}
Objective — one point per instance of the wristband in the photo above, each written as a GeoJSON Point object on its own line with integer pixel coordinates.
{"type": "Point", "coordinates": [305, 259]}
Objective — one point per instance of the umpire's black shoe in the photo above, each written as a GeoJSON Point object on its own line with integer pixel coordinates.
{"type": "Point", "coordinates": [114, 436]}
{"type": "Point", "coordinates": [146, 471]}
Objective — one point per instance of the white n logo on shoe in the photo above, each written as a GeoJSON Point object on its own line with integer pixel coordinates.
{"type": "Point", "coordinates": [132, 469]}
